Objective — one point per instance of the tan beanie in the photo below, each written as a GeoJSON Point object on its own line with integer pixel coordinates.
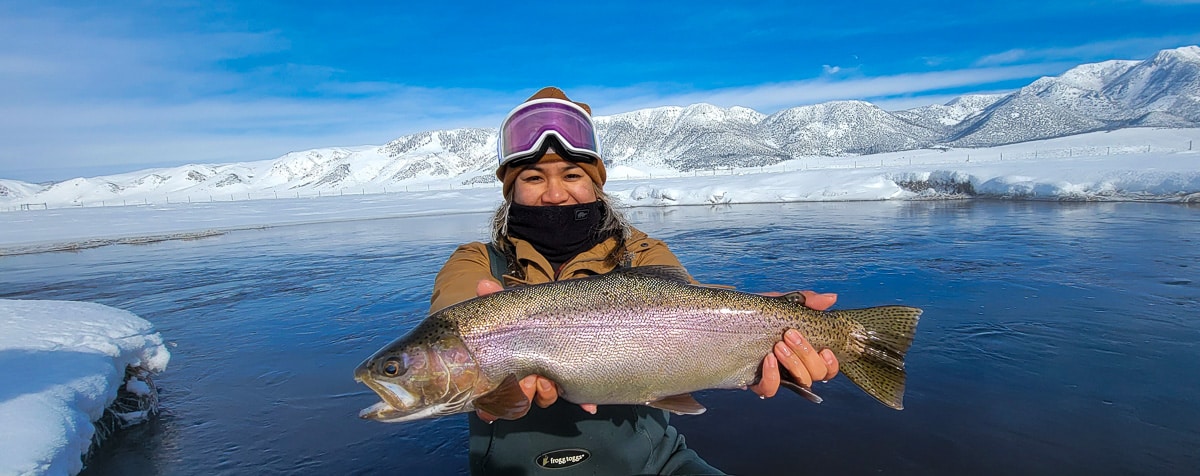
{"type": "Point", "coordinates": [594, 169]}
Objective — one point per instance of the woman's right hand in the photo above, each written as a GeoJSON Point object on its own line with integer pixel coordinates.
{"type": "Point", "coordinates": [538, 389]}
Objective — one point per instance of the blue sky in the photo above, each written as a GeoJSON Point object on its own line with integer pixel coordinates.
{"type": "Point", "coordinates": [91, 88]}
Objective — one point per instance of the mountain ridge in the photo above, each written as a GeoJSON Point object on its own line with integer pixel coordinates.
{"type": "Point", "coordinates": [1160, 91]}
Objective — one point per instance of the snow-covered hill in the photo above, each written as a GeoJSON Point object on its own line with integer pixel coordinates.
{"type": "Point", "coordinates": [1162, 91]}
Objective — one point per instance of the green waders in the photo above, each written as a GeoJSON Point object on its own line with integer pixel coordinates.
{"type": "Point", "coordinates": [565, 440]}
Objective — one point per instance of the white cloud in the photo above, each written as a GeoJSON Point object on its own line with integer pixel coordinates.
{"type": "Point", "coordinates": [1130, 48]}
{"type": "Point", "coordinates": [133, 134]}
{"type": "Point", "coordinates": [769, 98]}
{"type": "Point", "coordinates": [827, 69]}
{"type": "Point", "coordinates": [80, 90]}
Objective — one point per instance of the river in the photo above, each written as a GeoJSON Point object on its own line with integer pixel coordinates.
{"type": "Point", "coordinates": [1056, 338]}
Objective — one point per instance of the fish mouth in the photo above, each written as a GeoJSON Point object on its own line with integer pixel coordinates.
{"type": "Point", "coordinates": [382, 411]}
{"type": "Point", "coordinates": [399, 405]}
{"type": "Point", "coordinates": [395, 401]}
{"type": "Point", "coordinates": [386, 413]}
{"type": "Point", "coordinates": [362, 374]}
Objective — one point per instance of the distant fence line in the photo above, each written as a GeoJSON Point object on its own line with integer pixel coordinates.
{"type": "Point", "coordinates": [897, 159]}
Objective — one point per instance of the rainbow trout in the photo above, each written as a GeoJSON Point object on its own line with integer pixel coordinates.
{"type": "Point", "coordinates": [640, 335]}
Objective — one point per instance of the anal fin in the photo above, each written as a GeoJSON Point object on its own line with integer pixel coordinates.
{"type": "Point", "coordinates": [507, 401]}
{"type": "Point", "coordinates": [682, 404]}
{"type": "Point", "coordinates": [805, 392]}
{"type": "Point", "coordinates": [788, 381]}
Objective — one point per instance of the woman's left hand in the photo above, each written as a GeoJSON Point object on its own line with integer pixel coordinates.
{"type": "Point", "coordinates": [797, 355]}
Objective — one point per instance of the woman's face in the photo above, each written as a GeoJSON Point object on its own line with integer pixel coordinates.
{"type": "Point", "coordinates": [553, 183]}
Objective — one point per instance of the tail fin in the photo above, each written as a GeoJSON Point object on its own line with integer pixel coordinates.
{"type": "Point", "coordinates": [888, 334]}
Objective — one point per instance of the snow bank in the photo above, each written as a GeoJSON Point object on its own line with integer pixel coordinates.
{"type": "Point", "coordinates": [1055, 169]}
{"type": "Point", "coordinates": [1160, 177]}
{"type": "Point", "coordinates": [62, 364]}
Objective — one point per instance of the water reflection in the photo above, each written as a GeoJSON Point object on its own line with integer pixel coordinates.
{"type": "Point", "coordinates": [1059, 333]}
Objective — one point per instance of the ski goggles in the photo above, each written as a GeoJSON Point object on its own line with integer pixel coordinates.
{"type": "Point", "coordinates": [526, 130]}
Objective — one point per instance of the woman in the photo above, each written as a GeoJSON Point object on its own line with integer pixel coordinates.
{"type": "Point", "coordinates": [556, 223]}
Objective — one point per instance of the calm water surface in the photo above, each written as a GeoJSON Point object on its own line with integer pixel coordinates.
{"type": "Point", "coordinates": [1057, 338]}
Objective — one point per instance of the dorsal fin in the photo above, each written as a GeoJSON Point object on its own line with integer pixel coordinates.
{"type": "Point", "coordinates": [507, 401]}
{"type": "Point", "coordinates": [796, 297]}
{"type": "Point", "coordinates": [661, 271]}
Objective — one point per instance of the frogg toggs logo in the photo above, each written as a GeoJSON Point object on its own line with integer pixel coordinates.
{"type": "Point", "coordinates": [559, 459]}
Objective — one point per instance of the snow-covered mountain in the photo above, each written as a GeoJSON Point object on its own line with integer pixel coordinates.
{"type": "Point", "coordinates": [1162, 91]}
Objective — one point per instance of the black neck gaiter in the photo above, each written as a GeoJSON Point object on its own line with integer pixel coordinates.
{"type": "Point", "coordinates": [557, 232]}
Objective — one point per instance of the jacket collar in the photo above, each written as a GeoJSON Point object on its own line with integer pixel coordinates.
{"type": "Point", "coordinates": [538, 270]}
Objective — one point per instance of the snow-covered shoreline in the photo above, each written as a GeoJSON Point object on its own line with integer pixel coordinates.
{"type": "Point", "coordinates": [1148, 176]}
{"type": "Point", "coordinates": [249, 181]}
{"type": "Point", "coordinates": [63, 363]}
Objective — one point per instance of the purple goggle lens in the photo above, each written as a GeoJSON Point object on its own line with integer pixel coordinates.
{"type": "Point", "coordinates": [524, 132]}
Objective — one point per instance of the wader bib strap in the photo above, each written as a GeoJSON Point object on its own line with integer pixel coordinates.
{"type": "Point", "coordinates": [498, 262]}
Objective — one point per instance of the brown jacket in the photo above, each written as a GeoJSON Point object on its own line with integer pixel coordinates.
{"type": "Point", "coordinates": [469, 264]}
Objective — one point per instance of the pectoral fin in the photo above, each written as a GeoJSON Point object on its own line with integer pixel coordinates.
{"type": "Point", "coordinates": [682, 404]}
{"type": "Point", "coordinates": [506, 401]}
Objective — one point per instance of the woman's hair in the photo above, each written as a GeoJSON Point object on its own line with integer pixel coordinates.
{"type": "Point", "coordinates": [614, 225]}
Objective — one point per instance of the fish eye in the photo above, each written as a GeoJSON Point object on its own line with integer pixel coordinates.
{"type": "Point", "coordinates": [392, 368]}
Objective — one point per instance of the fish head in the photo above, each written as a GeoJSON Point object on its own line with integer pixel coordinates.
{"type": "Point", "coordinates": [421, 378]}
